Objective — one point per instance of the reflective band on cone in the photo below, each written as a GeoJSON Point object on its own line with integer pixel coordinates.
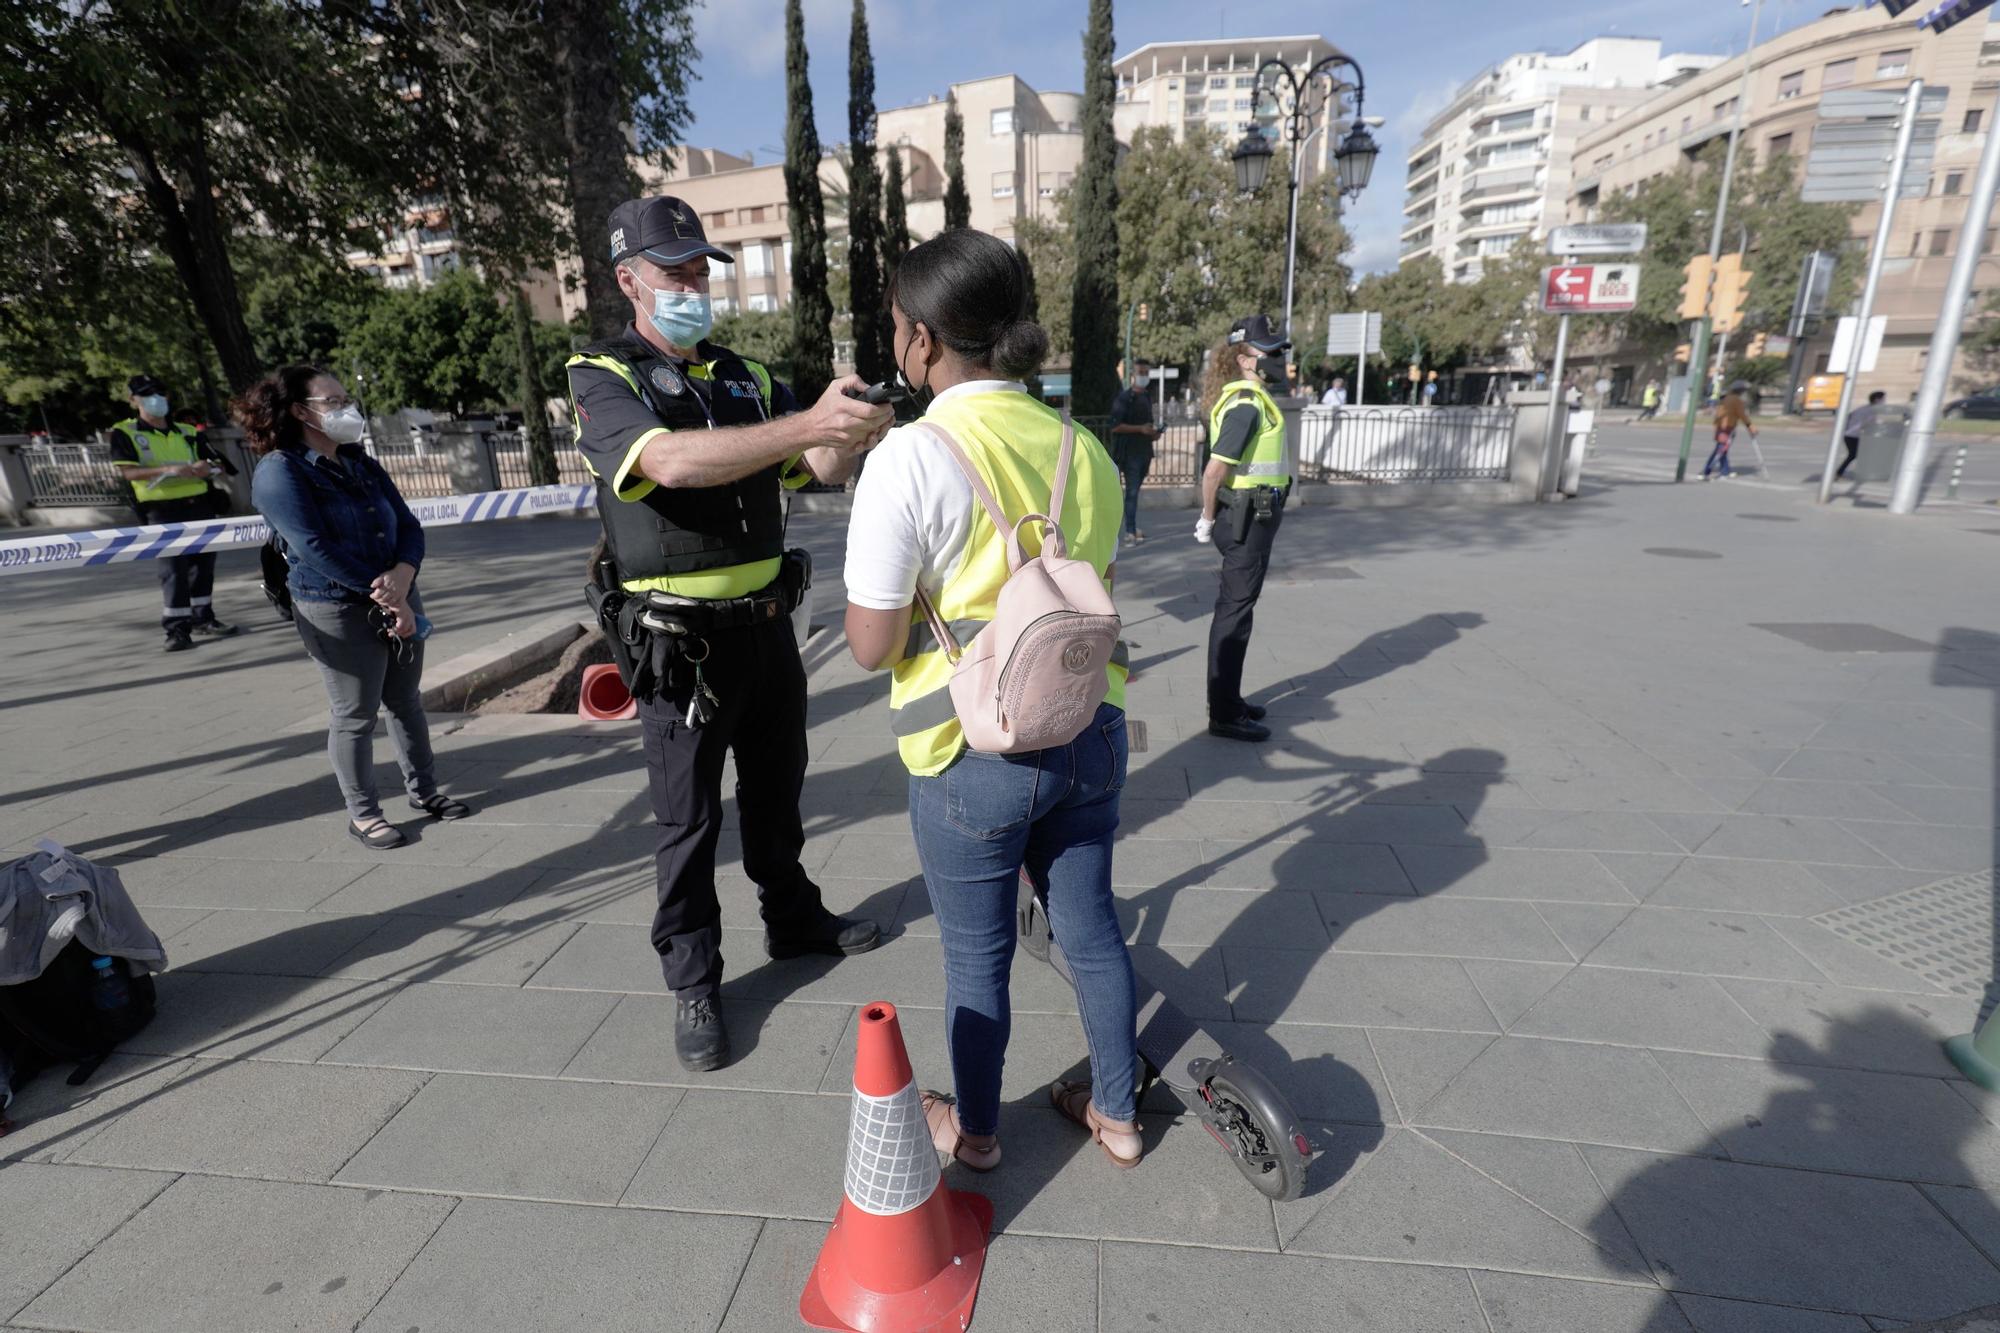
{"type": "Point", "coordinates": [905, 1254]}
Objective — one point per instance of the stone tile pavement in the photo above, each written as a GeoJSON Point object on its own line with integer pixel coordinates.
{"type": "Point", "coordinates": [1521, 906]}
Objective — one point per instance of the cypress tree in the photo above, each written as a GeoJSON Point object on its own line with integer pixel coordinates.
{"type": "Point", "coordinates": [864, 191]}
{"type": "Point", "coordinates": [895, 218]}
{"type": "Point", "coordinates": [538, 442]}
{"type": "Point", "coordinates": [957, 203]}
{"type": "Point", "coordinates": [1093, 319]}
{"type": "Point", "coordinates": [812, 307]}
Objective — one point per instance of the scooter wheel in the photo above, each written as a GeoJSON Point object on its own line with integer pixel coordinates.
{"type": "Point", "coordinates": [1252, 1119]}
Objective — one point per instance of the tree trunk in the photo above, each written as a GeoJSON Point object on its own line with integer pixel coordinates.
{"type": "Point", "coordinates": [540, 445]}
{"type": "Point", "coordinates": [600, 171]}
{"type": "Point", "coordinates": [196, 241]}
{"type": "Point", "coordinates": [1094, 309]}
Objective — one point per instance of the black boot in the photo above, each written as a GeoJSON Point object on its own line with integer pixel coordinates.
{"type": "Point", "coordinates": [1240, 729]}
{"type": "Point", "coordinates": [836, 936]}
{"type": "Point", "coordinates": [700, 1040]}
{"type": "Point", "coordinates": [211, 628]}
{"type": "Point", "coordinates": [180, 637]}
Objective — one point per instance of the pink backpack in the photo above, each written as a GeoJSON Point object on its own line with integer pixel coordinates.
{"type": "Point", "coordinates": [1033, 677]}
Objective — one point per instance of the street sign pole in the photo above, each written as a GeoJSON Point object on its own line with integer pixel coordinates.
{"type": "Point", "coordinates": [1944, 341]}
{"type": "Point", "coordinates": [1550, 459]}
{"type": "Point", "coordinates": [1698, 358]}
{"type": "Point", "coordinates": [1892, 190]}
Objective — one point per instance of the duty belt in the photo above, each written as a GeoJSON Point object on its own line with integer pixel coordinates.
{"type": "Point", "coordinates": [665, 613]}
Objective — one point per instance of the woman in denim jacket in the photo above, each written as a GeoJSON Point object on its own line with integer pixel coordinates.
{"type": "Point", "coordinates": [353, 548]}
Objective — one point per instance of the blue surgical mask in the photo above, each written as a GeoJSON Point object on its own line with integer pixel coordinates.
{"type": "Point", "coordinates": [154, 405]}
{"type": "Point", "coordinates": [682, 318]}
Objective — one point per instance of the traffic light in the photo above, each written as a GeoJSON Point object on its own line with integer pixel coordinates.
{"type": "Point", "coordinates": [1143, 312]}
{"type": "Point", "coordinates": [1732, 286]}
{"type": "Point", "coordinates": [1694, 289]}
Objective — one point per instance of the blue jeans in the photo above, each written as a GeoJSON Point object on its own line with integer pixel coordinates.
{"type": "Point", "coordinates": [1720, 454]}
{"type": "Point", "coordinates": [977, 824]}
{"type": "Point", "coordinates": [1133, 471]}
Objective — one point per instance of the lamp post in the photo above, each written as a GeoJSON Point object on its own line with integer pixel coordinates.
{"type": "Point", "coordinates": [1300, 99]}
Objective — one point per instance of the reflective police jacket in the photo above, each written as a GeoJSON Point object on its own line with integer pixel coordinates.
{"type": "Point", "coordinates": [712, 541]}
{"type": "Point", "coordinates": [137, 445]}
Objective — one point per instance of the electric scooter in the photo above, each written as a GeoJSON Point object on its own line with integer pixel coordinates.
{"type": "Point", "coordinates": [1239, 1107]}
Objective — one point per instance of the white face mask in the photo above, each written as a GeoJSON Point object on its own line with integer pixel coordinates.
{"type": "Point", "coordinates": [343, 425]}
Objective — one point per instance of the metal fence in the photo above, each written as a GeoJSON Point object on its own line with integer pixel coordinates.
{"type": "Point", "coordinates": [79, 475]}
{"type": "Point", "coordinates": [1176, 454]}
{"type": "Point", "coordinates": [510, 457]}
{"type": "Point", "coordinates": [1380, 444]}
{"type": "Point", "coordinates": [416, 462]}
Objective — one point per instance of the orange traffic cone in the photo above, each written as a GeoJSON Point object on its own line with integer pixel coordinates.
{"type": "Point", "coordinates": [905, 1254]}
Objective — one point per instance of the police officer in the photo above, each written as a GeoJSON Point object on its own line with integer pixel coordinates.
{"type": "Point", "coordinates": [692, 449]}
{"type": "Point", "coordinates": [1245, 484]}
{"type": "Point", "coordinates": [169, 466]}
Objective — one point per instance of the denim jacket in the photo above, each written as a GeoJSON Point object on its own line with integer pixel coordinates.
{"type": "Point", "coordinates": [340, 526]}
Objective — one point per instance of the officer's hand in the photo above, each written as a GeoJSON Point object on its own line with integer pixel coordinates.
{"type": "Point", "coordinates": [848, 424]}
{"type": "Point", "coordinates": [204, 470]}
{"type": "Point", "coordinates": [1204, 530]}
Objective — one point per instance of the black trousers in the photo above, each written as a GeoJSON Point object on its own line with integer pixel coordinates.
{"type": "Point", "coordinates": [760, 683]}
{"type": "Point", "coordinates": [186, 581]}
{"type": "Point", "coordinates": [1244, 562]}
{"type": "Point", "coordinates": [1853, 443]}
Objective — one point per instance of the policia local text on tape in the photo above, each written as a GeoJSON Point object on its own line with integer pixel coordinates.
{"type": "Point", "coordinates": [693, 448]}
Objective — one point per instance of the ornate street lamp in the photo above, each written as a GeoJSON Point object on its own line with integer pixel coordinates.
{"type": "Point", "coordinates": [1300, 101]}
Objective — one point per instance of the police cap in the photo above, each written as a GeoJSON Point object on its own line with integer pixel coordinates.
{"type": "Point", "coordinates": [664, 229]}
{"type": "Point", "coordinates": [141, 385]}
{"type": "Point", "coordinates": [1257, 331]}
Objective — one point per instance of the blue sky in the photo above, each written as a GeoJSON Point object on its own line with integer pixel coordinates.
{"type": "Point", "coordinates": [1415, 54]}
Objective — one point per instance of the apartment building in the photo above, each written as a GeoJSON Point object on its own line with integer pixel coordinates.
{"type": "Point", "coordinates": [1022, 148]}
{"type": "Point", "coordinates": [1852, 48]}
{"type": "Point", "coordinates": [416, 253]}
{"type": "Point", "coordinates": [1495, 166]}
{"type": "Point", "coordinates": [1213, 85]}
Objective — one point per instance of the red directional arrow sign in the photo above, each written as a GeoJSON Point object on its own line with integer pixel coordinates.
{"type": "Point", "coordinates": [1590, 289]}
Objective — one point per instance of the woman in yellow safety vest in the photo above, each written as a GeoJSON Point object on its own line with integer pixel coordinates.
{"type": "Point", "coordinates": [962, 347]}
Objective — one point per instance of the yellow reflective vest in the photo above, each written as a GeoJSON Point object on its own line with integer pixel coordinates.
{"type": "Point", "coordinates": [1263, 460]}
{"type": "Point", "coordinates": [1014, 442]}
{"type": "Point", "coordinates": [165, 446]}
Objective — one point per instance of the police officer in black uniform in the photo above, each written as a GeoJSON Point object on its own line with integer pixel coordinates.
{"type": "Point", "coordinates": [693, 447]}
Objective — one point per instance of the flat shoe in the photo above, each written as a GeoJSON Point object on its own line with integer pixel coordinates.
{"type": "Point", "coordinates": [941, 1114]}
{"type": "Point", "coordinates": [1073, 1100]}
{"type": "Point", "coordinates": [439, 806]}
{"type": "Point", "coordinates": [379, 834]}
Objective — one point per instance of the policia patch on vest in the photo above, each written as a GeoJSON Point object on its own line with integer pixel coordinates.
{"type": "Point", "coordinates": [668, 380]}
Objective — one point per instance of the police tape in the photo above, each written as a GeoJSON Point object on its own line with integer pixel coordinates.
{"type": "Point", "coordinates": [160, 541]}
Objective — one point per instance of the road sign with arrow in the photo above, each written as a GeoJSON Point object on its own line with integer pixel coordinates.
{"type": "Point", "coordinates": [1590, 289]}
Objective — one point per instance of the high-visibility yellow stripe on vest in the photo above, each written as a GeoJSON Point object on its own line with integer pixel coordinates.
{"type": "Point", "coordinates": [1263, 460]}
{"type": "Point", "coordinates": [709, 584]}
{"type": "Point", "coordinates": [169, 446]}
{"type": "Point", "coordinates": [1013, 441]}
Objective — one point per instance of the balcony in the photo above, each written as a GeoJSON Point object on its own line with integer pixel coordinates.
{"type": "Point", "coordinates": [1424, 221]}
{"type": "Point", "coordinates": [1498, 184]}
{"type": "Point", "coordinates": [1415, 245]}
{"type": "Point", "coordinates": [1419, 198]}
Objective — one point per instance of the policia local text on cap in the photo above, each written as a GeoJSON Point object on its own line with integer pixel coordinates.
{"type": "Point", "coordinates": [692, 447]}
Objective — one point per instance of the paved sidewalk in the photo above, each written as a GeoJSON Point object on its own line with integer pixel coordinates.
{"type": "Point", "coordinates": [1565, 904]}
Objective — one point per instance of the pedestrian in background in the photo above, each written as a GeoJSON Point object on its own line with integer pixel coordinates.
{"type": "Point", "coordinates": [353, 548]}
{"type": "Point", "coordinates": [1859, 420]}
{"type": "Point", "coordinates": [962, 335]}
{"type": "Point", "coordinates": [1730, 413]}
{"type": "Point", "coordinates": [1132, 435]}
{"type": "Point", "coordinates": [169, 466]}
{"type": "Point", "coordinates": [1336, 393]}
{"type": "Point", "coordinates": [1649, 401]}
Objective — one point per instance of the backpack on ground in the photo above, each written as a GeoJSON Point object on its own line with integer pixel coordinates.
{"type": "Point", "coordinates": [1033, 677]}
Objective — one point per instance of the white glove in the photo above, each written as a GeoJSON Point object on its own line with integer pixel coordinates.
{"type": "Point", "coordinates": [1204, 530]}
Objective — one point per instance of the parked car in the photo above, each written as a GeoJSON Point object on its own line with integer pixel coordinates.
{"type": "Point", "coordinates": [1981, 406]}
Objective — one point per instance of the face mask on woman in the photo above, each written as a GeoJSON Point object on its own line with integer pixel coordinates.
{"type": "Point", "coordinates": [920, 395]}
{"type": "Point", "coordinates": [343, 425]}
{"type": "Point", "coordinates": [682, 318]}
{"type": "Point", "coordinates": [1272, 368]}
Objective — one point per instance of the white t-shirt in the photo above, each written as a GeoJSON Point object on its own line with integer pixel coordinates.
{"type": "Point", "coordinates": [1334, 397]}
{"type": "Point", "coordinates": [912, 513]}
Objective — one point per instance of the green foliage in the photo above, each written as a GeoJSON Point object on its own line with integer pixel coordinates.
{"type": "Point", "coordinates": [812, 310]}
{"type": "Point", "coordinates": [895, 217]}
{"type": "Point", "coordinates": [298, 302]}
{"type": "Point", "coordinates": [957, 203]}
{"type": "Point", "coordinates": [1759, 370]}
{"type": "Point", "coordinates": [1049, 248]}
{"type": "Point", "coordinates": [761, 335]}
{"type": "Point", "coordinates": [864, 189]}
{"type": "Point", "coordinates": [1200, 256]}
{"type": "Point", "coordinates": [1094, 307]}
{"type": "Point", "coordinates": [445, 348]}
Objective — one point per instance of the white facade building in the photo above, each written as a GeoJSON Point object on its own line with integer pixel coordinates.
{"type": "Point", "coordinates": [1494, 166]}
{"type": "Point", "coordinates": [1213, 85]}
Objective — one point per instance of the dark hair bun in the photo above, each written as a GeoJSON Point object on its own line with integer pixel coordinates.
{"type": "Point", "coordinates": [1021, 349]}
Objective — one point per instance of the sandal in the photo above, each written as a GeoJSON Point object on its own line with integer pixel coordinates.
{"type": "Point", "coordinates": [378, 833]}
{"type": "Point", "coordinates": [941, 1114]}
{"type": "Point", "coordinates": [439, 806]}
{"type": "Point", "coordinates": [1073, 1100]}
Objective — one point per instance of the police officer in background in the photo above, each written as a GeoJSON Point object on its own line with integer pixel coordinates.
{"type": "Point", "coordinates": [1245, 484]}
{"type": "Point", "coordinates": [169, 466]}
{"type": "Point", "coordinates": [692, 447]}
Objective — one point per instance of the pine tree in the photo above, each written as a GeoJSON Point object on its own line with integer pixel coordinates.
{"type": "Point", "coordinates": [957, 203]}
{"type": "Point", "coordinates": [895, 218]}
{"type": "Point", "coordinates": [864, 191]}
{"type": "Point", "coordinates": [1094, 310]}
{"type": "Point", "coordinates": [812, 308]}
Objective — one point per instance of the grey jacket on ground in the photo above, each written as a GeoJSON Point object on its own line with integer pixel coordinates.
{"type": "Point", "coordinates": [49, 897]}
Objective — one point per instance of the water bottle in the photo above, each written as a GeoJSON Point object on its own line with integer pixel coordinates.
{"type": "Point", "coordinates": [110, 995]}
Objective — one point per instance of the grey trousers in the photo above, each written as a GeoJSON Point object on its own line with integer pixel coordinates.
{"type": "Point", "coordinates": [363, 675]}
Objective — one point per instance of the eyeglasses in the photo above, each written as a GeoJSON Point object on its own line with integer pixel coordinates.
{"type": "Point", "coordinates": [335, 403]}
